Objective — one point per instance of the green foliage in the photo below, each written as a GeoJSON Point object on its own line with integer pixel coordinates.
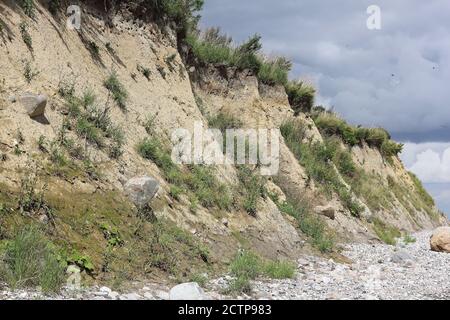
{"type": "Point", "coordinates": [407, 239]}
{"type": "Point", "coordinates": [53, 6]}
{"type": "Point", "coordinates": [29, 261]}
{"type": "Point", "coordinates": [112, 235]}
{"type": "Point", "coordinates": [280, 269]}
{"type": "Point", "coordinates": [248, 266]}
{"type": "Point", "coordinates": [94, 49]}
{"type": "Point", "coordinates": [317, 158]}
{"type": "Point", "coordinates": [424, 195]}
{"type": "Point", "coordinates": [301, 96]}
{"type": "Point", "coordinates": [26, 37]}
{"type": "Point", "coordinates": [175, 192]}
{"type": "Point", "coordinates": [31, 199]}
{"type": "Point", "coordinates": [117, 89]}
{"type": "Point", "coordinates": [84, 262]}
{"type": "Point", "coordinates": [201, 279]}
{"type": "Point", "coordinates": [28, 72]}
{"type": "Point", "coordinates": [167, 243]}
{"type": "Point", "coordinates": [275, 71]}
{"type": "Point", "coordinates": [309, 223]}
{"type": "Point", "coordinates": [253, 188]}
{"type": "Point", "coordinates": [224, 121]}
{"type": "Point", "coordinates": [196, 179]}
{"type": "Point", "coordinates": [91, 123]}
{"type": "Point", "coordinates": [146, 72]}
{"type": "Point", "coordinates": [388, 234]}
{"type": "Point", "coordinates": [331, 125]}
{"type": "Point", "coordinates": [28, 7]}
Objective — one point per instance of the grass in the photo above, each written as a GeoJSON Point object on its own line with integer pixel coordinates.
{"type": "Point", "coordinates": [28, 72]}
{"type": "Point", "coordinates": [167, 243]}
{"type": "Point", "coordinates": [310, 224]}
{"type": "Point", "coordinates": [331, 125]}
{"type": "Point", "coordinates": [117, 89]}
{"type": "Point", "coordinates": [388, 234]}
{"type": "Point", "coordinates": [317, 158]}
{"type": "Point", "coordinates": [253, 188]}
{"type": "Point", "coordinates": [301, 96]}
{"type": "Point", "coordinates": [146, 72]}
{"type": "Point", "coordinates": [29, 260]}
{"type": "Point", "coordinates": [197, 180]}
{"type": "Point", "coordinates": [28, 7]}
{"type": "Point", "coordinates": [247, 266]}
{"type": "Point", "coordinates": [407, 239]}
{"type": "Point", "coordinates": [91, 123]}
{"type": "Point", "coordinates": [26, 37]}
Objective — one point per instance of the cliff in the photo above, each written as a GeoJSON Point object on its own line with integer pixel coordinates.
{"type": "Point", "coordinates": [65, 171]}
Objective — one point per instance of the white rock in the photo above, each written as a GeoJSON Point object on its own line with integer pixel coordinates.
{"type": "Point", "coordinates": [141, 190]}
{"type": "Point", "coordinates": [187, 291]}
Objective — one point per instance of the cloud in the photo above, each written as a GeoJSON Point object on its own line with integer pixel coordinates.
{"type": "Point", "coordinates": [395, 77]}
{"type": "Point", "coordinates": [430, 162]}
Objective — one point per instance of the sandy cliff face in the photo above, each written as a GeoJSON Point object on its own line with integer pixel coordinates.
{"type": "Point", "coordinates": [61, 56]}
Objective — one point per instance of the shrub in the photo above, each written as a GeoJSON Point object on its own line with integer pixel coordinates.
{"type": "Point", "coordinates": [301, 96]}
{"type": "Point", "coordinates": [280, 269]}
{"type": "Point", "coordinates": [30, 261]}
{"type": "Point", "coordinates": [275, 71]}
{"type": "Point", "coordinates": [146, 72]}
{"type": "Point", "coordinates": [224, 121]}
{"type": "Point", "coordinates": [118, 91]}
{"type": "Point", "coordinates": [26, 37]}
{"type": "Point", "coordinates": [28, 72]}
{"type": "Point", "coordinates": [28, 7]}
{"type": "Point", "coordinates": [53, 6]}
{"type": "Point", "coordinates": [253, 188]}
{"type": "Point", "coordinates": [317, 158]}
{"type": "Point", "coordinates": [247, 266]}
{"type": "Point", "coordinates": [331, 125]}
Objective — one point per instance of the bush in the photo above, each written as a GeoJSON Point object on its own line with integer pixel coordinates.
{"type": "Point", "coordinates": [26, 37]}
{"type": "Point", "coordinates": [28, 72]}
{"type": "Point", "coordinates": [118, 91]}
{"type": "Point", "coordinates": [30, 261]}
{"type": "Point", "coordinates": [28, 7]}
{"type": "Point", "coordinates": [331, 125]}
{"type": "Point", "coordinates": [197, 180]}
{"type": "Point", "coordinates": [275, 71]}
{"type": "Point", "coordinates": [301, 96]}
{"type": "Point", "coordinates": [317, 158]}
{"type": "Point", "coordinates": [253, 188]}
{"type": "Point", "coordinates": [280, 269]}
{"type": "Point", "coordinates": [424, 195]}
{"type": "Point", "coordinates": [248, 266]}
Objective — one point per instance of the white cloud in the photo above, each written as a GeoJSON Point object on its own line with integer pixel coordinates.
{"type": "Point", "coordinates": [430, 162]}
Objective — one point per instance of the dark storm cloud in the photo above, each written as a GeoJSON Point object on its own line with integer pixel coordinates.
{"type": "Point", "coordinates": [397, 77]}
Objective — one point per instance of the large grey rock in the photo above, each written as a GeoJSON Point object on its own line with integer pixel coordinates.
{"type": "Point", "coordinates": [327, 211]}
{"type": "Point", "coordinates": [34, 104]}
{"type": "Point", "coordinates": [141, 190]}
{"type": "Point", "coordinates": [402, 257]}
{"type": "Point", "coordinates": [187, 291]}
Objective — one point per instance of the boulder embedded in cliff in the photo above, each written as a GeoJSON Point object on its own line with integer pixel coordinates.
{"type": "Point", "coordinates": [34, 104]}
{"type": "Point", "coordinates": [440, 240]}
{"type": "Point", "coordinates": [141, 190]}
{"type": "Point", "coordinates": [327, 211]}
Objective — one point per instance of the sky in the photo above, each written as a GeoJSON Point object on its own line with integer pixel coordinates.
{"type": "Point", "coordinates": [396, 76]}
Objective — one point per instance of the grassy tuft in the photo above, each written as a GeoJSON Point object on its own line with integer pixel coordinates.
{"type": "Point", "coordinates": [30, 261]}
{"type": "Point", "coordinates": [117, 89]}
